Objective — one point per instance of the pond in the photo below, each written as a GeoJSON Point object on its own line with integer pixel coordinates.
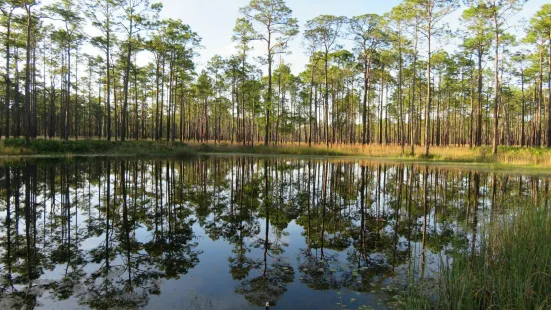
{"type": "Point", "coordinates": [236, 232]}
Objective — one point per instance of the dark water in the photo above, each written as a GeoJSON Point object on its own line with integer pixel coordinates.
{"type": "Point", "coordinates": [237, 232]}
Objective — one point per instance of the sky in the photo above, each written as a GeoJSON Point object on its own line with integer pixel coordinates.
{"type": "Point", "coordinates": [214, 20]}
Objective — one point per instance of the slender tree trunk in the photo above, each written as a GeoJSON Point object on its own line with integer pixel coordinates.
{"type": "Point", "coordinates": [402, 136]}
{"type": "Point", "coordinates": [479, 112]}
{"type": "Point", "coordinates": [108, 72]}
{"type": "Point", "coordinates": [269, 97]}
{"type": "Point", "coordinates": [68, 94]}
{"type": "Point", "coordinates": [522, 134]}
{"type": "Point", "coordinates": [472, 134]}
{"type": "Point", "coordinates": [427, 107]}
{"type": "Point", "coordinates": [17, 107]}
{"type": "Point", "coordinates": [8, 80]}
{"type": "Point", "coordinates": [412, 102]}
{"type": "Point", "coordinates": [326, 98]}
{"type": "Point", "coordinates": [310, 116]}
{"type": "Point", "coordinates": [27, 121]}
{"type": "Point", "coordinates": [496, 85]}
{"type": "Point", "coordinates": [365, 121]}
{"type": "Point", "coordinates": [549, 94]}
{"type": "Point", "coordinates": [126, 81]}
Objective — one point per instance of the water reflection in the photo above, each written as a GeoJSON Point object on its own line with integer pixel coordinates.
{"type": "Point", "coordinates": [117, 233]}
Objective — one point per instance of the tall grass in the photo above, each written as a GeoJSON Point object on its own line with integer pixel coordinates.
{"type": "Point", "coordinates": [512, 156]}
{"type": "Point", "coordinates": [510, 270]}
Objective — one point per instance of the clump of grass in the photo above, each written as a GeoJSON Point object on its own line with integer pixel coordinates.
{"type": "Point", "coordinates": [510, 270]}
{"type": "Point", "coordinates": [13, 150]}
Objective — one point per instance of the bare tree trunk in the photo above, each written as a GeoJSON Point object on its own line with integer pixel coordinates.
{"type": "Point", "coordinates": [496, 86]}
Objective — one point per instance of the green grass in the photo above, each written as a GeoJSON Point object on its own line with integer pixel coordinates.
{"type": "Point", "coordinates": [510, 270]}
{"type": "Point", "coordinates": [14, 146]}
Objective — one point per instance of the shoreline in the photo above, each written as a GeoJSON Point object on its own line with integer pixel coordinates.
{"type": "Point", "coordinates": [521, 160]}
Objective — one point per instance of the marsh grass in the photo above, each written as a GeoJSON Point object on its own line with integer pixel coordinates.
{"type": "Point", "coordinates": [13, 150]}
{"type": "Point", "coordinates": [510, 156]}
{"type": "Point", "coordinates": [510, 270]}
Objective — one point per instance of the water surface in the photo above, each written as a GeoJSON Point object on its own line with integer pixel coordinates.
{"type": "Point", "coordinates": [235, 232]}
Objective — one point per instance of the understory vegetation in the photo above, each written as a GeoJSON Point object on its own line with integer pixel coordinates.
{"type": "Point", "coordinates": [15, 146]}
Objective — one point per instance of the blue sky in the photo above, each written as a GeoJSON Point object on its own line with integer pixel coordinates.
{"type": "Point", "coordinates": [214, 20]}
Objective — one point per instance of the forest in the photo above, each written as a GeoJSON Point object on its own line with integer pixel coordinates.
{"type": "Point", "coordinates": [114, 70]}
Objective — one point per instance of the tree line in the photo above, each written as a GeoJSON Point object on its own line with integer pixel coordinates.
{"type": "Point", "coordinates": [74, 69]}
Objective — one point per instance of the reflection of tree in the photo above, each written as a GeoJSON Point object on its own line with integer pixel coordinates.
{"type": "Point", "coordinates": [327, 227]}
{"type": "Point", "coordinates": [69, 252]}
{"type": "Point", "coordinates": [200, 194]}
{"type": "Point", "coordinates": [243, 207]}
{"type": "Point", "coordinates": [364, 225]}
{"type": "Point", "coordinates": [112, 284]}
{"type": "Point", "coordinates": [131, 269]}
{"type": "Point", "coordinates": [173, 252]}
{"type": "Point", "coordinates": [271, 284]}
{"type": "Point", "coordinates": [322, 273]}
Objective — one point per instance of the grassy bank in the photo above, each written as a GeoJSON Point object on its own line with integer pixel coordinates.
{"type": "Point", "coordinates": [507, 156]}
{"type": "Point", "coordinates": [510, 156]}
{"type": "Point", "coordinates": [94, 147]}
{"type": "Point", "coordinates": [510, 270]}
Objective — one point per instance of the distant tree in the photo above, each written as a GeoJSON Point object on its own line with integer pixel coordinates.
{"type": "Point", "coordinates": [7, 7]}
{"type": "Point", "coordinates": [540, 30]}
{"type": "Point", "coordinates": [275, 26]}
{"type": "Point", "coordinates": [67, 11]}
{"type": "Point", "coordinates": [368, 36]}
{"type": "Point", "coordinates": [138, 16]}
{"type": "Point", "coordinates": [434, 11]}
{"type": "Point", "coordinates": [104, 14]}
{"type": "Point", "coordinates": [478, 39]}
{"type": "Point", "coordinates": [325, 29]}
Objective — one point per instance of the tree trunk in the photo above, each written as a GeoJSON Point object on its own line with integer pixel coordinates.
{"type": "Point", "coordinates": [427, 106]}
{"type": "Point", "coordinates": [126, 81]}
{"type": "Point", "coordinates": [496, 85]}
{"type": "Point", "coordinates": [27, 121]}
{"type": "Point", "coordinates": [8, 80]}
{"type": "Point", "coordinates": [549, 95]}
{"type": "Point", "coordinates": [269, 97]}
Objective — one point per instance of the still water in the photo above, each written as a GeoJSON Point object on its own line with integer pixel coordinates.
{"type": "Point", "coordinates": [233, 232]}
